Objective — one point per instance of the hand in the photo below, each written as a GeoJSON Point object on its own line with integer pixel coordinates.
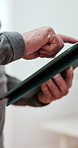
{"type": "Point", "coordinates": [57, 87]}
{"type": "Point", "coordinates": [6, 100]}
{"type": "Point", "coordinates": [44, 42]}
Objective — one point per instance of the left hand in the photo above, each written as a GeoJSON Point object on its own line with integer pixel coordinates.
{"type": "Point", "coordinates": [57, 87]}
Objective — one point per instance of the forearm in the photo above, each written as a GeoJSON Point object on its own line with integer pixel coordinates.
{"type": "Point", "coordinates": [11, 47]}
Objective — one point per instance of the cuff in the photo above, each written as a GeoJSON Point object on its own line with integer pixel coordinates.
{"type": "Point", "coordinates": [17, 44]}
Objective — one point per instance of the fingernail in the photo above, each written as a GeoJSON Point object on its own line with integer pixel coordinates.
{"type": "Point", "coordinates": [56, 76]}
{"type": "Point", "coordinates": [71, 68]}
{"type": "Point", "coordinates": [6, 99]}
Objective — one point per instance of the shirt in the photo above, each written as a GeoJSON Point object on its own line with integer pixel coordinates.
{"type": "Point", "coordinates": [11, 48]}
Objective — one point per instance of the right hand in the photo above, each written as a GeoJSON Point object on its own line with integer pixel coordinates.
{"type": "Point", "coordinates": [6, 100]}
{"type": "Point", "coordinates": [44, 42]}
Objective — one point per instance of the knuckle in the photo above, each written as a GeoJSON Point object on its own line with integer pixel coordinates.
{"type": "Point", "coordinates": [57, 95]}
{"type": "Point", "coordinates": [48, 94]}
{"type": "Point", "coordinates": [56, 39]}
{"type": "Point", "coordinates": [49, 29]}
{"type": "Point", "coordinates": [70, 85]}
{"type": "Point", "coordinates": [72, 75]}
{"type": "Point", "coordinates": [59, 41]}
{"type": "Point", "coordinates": [66, 92]}
{"type": "Point", "coordinates": [43, 86]}
{"type": "Point", "coordinates": [56, 76]}
{"type": "Point", "coordinates": [62, 44]}
{"type": "Point", "coordinates": [49, 97]}
{"type": "Point", "coordinates": [60, 34]}
{"type": "Point", "coordinates": [49, 82]}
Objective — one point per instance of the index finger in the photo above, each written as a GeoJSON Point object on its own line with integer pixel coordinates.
{"type": "Point", "coordinates": [69, 76]}
{"type": "Point", "coordinates": [68, 39]}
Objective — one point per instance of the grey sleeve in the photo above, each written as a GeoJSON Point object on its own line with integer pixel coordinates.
{"type": "Point", "coordinates": [11, 47]}
{"type": "Point", "coordinates": [33, 101]}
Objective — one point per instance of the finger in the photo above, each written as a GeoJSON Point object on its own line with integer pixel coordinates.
{"type": "Point", "coordinates": [69, 76]}
{"type": "Point", "coordinates": [53, 47]}
{"type": "Point", "coordinates": [49, 49]}
{"type": "Point", "coordinates": [60, 82]}
{"type": "Point", "coordinates": [53, 88]}
{"type": "Point", "coordinates": [45, 99]}
{"type": "Point", "coordinates": [68, 39]}
{"type": "Point", "coordinates": [46, 56]}
{"type": "Point", "coordinates": [6, 100]}
{"type": "Point", "coordinates": [45, 96]}
{"type": "Point", "coordinates": [32, 56]}
{"type": "Point", "coordinates": [45, 89]}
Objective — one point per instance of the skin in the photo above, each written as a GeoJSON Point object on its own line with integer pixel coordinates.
{"type": "Point", "coordinates": [57, 87]}
{"type": "Point", "coordinates": [53, 89]}
{"type": "Point", "coordinates": [44, 42]}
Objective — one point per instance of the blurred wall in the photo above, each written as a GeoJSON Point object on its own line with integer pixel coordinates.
{"type": "Point", "coordinates": [22, 128]}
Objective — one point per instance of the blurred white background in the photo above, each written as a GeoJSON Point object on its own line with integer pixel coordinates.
{"type": "Point", "coordinates": [22, 128]}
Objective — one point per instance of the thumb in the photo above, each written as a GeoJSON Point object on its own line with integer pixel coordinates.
{"type": "Point", "coordinates": [6, 100]}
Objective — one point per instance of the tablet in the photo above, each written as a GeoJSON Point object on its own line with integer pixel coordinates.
{"type": "Point", "coordinates": [31, 85]}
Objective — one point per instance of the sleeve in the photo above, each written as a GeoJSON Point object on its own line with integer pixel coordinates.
{"type": "Point", "coordinates": [11, 47]}
{"type": "Point", "coordinates": [32, 101]}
